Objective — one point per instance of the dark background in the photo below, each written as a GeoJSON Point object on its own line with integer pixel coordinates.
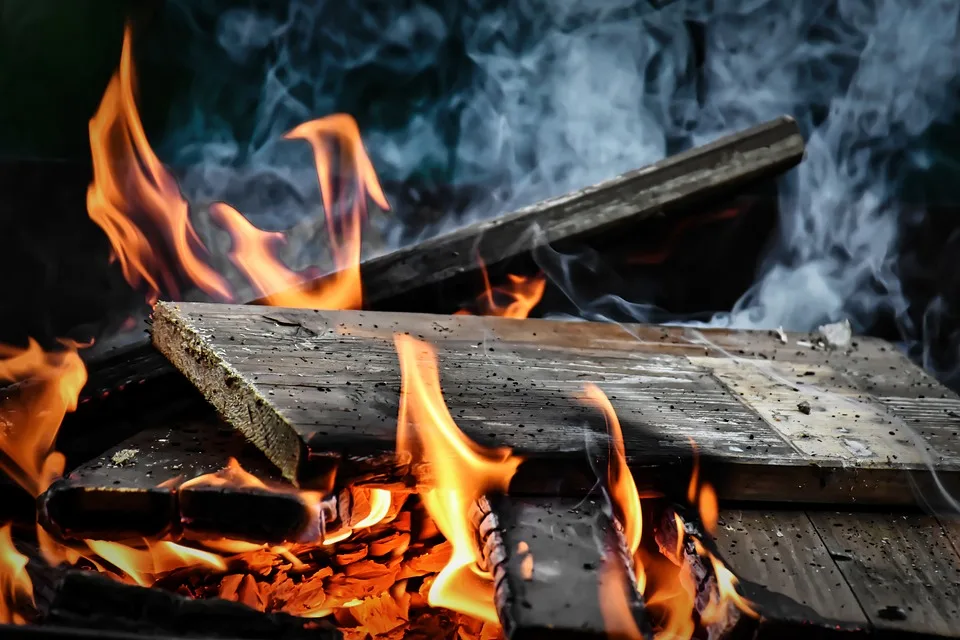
{"type": "Point", "coordinates": [56, 57]}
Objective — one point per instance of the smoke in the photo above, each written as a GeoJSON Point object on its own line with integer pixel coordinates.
{"type": "Point", "coordinates": [531, 98]}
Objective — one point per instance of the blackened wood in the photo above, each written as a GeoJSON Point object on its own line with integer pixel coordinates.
{"type": "Point", "coordinates": [57, 632]}
{"type": "Point", "coordinates": [118, 496]}
{"type": "Point", "coordinates": [902, 568]}
{"type": "Point", "coordinates": [548, 557]}
{"type": "Point", "coordinates": [312, 387]}
{"type": "Point", "coordinates": [707, 172]}
{"type": "Point", "coordinates": [85, 599]}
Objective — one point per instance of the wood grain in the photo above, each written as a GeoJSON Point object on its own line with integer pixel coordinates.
{"type": "Point", "coordinates": [707, 172]}
{"type": "Point", "coordinates": [781, 551]}
{"type": "Point", "coordinates": [309, 386]}
{"type": "Point", "coordinates": [901, 568]}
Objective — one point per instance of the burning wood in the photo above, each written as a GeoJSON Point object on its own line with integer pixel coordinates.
{"type": "Point", "coordinates": [560, 567]}
{"type": "Point", "coordinates": [714, 169]}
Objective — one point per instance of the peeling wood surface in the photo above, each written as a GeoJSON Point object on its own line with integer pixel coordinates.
{"type": "Point", "coordinates": [307, 386]}
{"type": "Point", "coordinates": [715, 169]}
{"type": "Point", "coordinates": [902, 569]}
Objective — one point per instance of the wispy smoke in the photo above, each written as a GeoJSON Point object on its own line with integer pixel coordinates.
{"type": "Point", "coordinates": [531, 98]}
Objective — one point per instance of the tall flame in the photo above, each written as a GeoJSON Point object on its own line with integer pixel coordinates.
{"type": "Point", "coordinates": [460, 471]}
{"type": "Point", "coordinates": [33, 410]}
{"type": "Point", "coordinates": [137, 202]}
{"type": "Point", "coordinates": [15, 585]}
{"type": "Point", "coordinates": [254, 250]}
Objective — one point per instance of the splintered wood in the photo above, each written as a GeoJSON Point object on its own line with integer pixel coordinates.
{"type": "Point", "coordinates": [774, 418]}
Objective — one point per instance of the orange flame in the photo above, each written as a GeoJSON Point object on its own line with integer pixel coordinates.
{"type": "Point", "coordinates": [15, 584]}
{"type": "Point", "coordinates": [523, 292]}
{"type": "Point", "coordinates": [614, 593]}
{"type": "Point", "coordinates": [623, 489]}
{"type": "Point", "coordinates": [461, 472]}
{"type": "Point", "coordinates": [254, 250]}
{"type": "Point", "coordinates": [137, 202]}
{"type": "Point", "coordinates": [32, 412]}
{"type": "Point", "coordinates": [144, 566]}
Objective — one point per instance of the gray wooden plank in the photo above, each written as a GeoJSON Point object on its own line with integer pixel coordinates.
{"type": "Point", "coordinates": [305, 383]}
{"type": "Point", "coordinates": [902, 569]}
{"type": "Point", "coordinates": [781, 551]}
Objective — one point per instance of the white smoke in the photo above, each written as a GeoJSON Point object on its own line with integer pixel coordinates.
{"type": "Point", "coordinates": [531, 98]}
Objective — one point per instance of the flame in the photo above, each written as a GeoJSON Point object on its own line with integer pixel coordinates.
{"type": "Point", "coordinates": [620, 483]}
{"type": "Point", "coordinates": [717, 610]}
{"type": "Point", "coordinates": [32, 412]}
{"type": "Point", "coordinates": [15, 584]}
{"type": "Point", "coordinates": [137, 202]}
{"type": "Point", "coordinates": [143, 566]}
{"type": "Point", "coordinates": [379, 506]}
{"type": "Point", "coordinates": [614, 594]}
{"type": "Point", "coordinates": [461, 473]}
{"type": "Point", "coordinates": [254, 250]}
{"type": "Point", "coordinates": [523, 293]}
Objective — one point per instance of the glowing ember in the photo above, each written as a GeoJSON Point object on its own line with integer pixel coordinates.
{"type": "Point", "coordinates": [461, 472]}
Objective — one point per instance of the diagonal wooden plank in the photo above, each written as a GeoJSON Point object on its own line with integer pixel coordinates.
{"type": "Point", "coordinates": [902, 569]}
{"type": "Point", "coordinates": [310, 386]}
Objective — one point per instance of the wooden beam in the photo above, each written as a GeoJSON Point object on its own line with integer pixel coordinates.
{"type": "Point", "coordinates": [713, 170]}
{"type": "Point", "coordinates": [547, 557]}
{"type": "Point", "coordinates": [776, 420]}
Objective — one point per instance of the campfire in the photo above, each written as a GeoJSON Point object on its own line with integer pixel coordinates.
{"type": "Point", "coordinates": [312, 506]}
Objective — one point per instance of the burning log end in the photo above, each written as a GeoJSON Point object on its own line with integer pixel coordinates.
{"type": "Point", "coordinates": [552, 562]}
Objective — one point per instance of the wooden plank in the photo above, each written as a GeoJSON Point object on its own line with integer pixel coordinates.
{"type": "Point", "coordinates": [704, 173]}
{"type": "Point", "coordinates": [901, 568]}
{"type": "Point", "coordinates": [308, 386]}
{"type": "Point", "coordinates": [782, 552]}
{"type": "Point", "coordinates": [556, 564]}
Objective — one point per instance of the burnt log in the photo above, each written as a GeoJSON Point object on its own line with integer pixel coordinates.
{"type": "Point", "coordinates": [133, 491]}
{"type": "Point", "coordinates": [557, 565]}
{"type": "Point", "coordinates": [88, 600]}
{"type": "Point", "coordinates": [717, 169]}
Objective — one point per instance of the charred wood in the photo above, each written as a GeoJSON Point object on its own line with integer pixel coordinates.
{"type": "Point", "coordinates": [547, 558]}
{"type": "Point", "coordinates": [716, 169]}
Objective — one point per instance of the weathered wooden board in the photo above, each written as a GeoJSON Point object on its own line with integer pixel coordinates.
{"type": "Point", "coordinates": [700, 174]}
{"type": "Point", "coordinates": [308, 385]}
{"type": "Point", "coordinates": [902, 569]}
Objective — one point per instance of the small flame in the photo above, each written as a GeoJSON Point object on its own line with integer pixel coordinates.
{"type": "Point", "coordinates": [144, 566]}
{"type": "Point", "coordinates": [137, 202]}
{"type": "Point", "coordinates": [461, 473]}
{"type": "Point", "coordinates": [380, 500]}
{"type": "Point", "coordinates": [614, 594]}
{"type": "Point", "coordinates": [254, 250]}
{"type": "Point", "coordinates": [15, 584]}
{"type": "Point", "coordinates": [33, 412]}
{"type": "Point", "coordinates": [523, 292]}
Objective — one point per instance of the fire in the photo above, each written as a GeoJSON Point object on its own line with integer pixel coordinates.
{"type": "Point", "coordinates": [618, 620]}
{"type": "Point", "coordinates": [461, 472]}
{"type": "Point", "coordinates": [254, 250]}
{"type": "Point", "coordinates": [523, 293]}
{"type": "Point", "coordinates": [50, 384]}
{"type": "Point", "coordinates": [137, 202]}
{"type": "Point", "coordinates": [143, 566]}
{"type": "Point", "coordinates": [15, 585]}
